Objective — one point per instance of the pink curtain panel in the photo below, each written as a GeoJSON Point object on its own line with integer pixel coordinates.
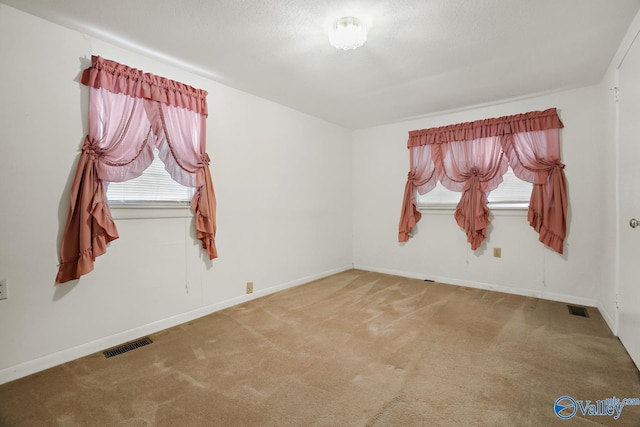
{"type": "Point", "coordinates": [130, 113]}
{"type": "Point", "coordinates": [473, 157]}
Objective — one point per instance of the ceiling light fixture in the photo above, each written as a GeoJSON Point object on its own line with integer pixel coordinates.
{"type": "Point", "coordinates": [347, 33]}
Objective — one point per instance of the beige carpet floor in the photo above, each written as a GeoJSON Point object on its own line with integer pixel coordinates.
{"type": "Point", "coordinates": [354, 349]}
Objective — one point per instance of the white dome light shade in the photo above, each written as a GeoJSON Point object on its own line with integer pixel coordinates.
{"type": "Point", "coordinates": [347, 33]}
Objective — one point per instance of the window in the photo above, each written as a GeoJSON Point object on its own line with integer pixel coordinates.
{"type": "Point", "coordinates": [145, 102]}
{"type": "Point", "coordinates": [154, 187]}
{"type": "Point", "coordinates": [530, 141]}
{"type": "Point", "coordinates": [513, 193]}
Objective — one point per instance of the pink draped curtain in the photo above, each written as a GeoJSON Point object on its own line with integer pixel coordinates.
{"type": "Point", "coordinates": [422, 178]}
{"type": "Point", "coordinates": [535, 157]}
{"type": "Point", "coordinates": [472, 158]}
{"type": "Point", "coordinates": [474, 168]}
{"type": "Point", "coordinates": [130, 113]}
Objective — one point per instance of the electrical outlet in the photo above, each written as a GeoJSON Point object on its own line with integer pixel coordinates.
{"type": "Point", "coordinates": [497, 252]}
{"type": "Point", "coordinates": [3, 289]}
{"type": "Point", "coordinates": [249, 287]}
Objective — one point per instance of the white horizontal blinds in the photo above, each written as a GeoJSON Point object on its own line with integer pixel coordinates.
{"type": "Point", "coordinates": [153, 186]}
{"type": "Point", "coordinates": [512, 190]}
{"type": "Point", "coordinates": [439, 196]}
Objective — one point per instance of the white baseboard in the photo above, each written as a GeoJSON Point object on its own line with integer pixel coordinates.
{"type": "Point", "coordinates": [611, 322]}
{"type": "Point", "coordinates": [571, 299]}
{"type": "Point", "coordinates": [40, 364]}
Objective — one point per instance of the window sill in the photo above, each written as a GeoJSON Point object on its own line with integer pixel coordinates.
{"type": "Point", "coordinates": [496, 210]}
{"type": "Point", "coordinates": [150, 211]}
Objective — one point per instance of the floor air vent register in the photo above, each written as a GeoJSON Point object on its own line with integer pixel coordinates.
{"type": "Point", "coordinates": [127, 347]}
{"type": "Point", "coordinates": [578, 311]}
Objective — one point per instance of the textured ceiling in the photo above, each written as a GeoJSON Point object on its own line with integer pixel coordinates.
{"type": "Point", "coordinates": [421, 57]}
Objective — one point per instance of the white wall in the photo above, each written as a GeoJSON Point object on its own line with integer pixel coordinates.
{"type": "Point", "coordinates": [282, 181]}
{"type": "Point", "coordinates": [439, 249]}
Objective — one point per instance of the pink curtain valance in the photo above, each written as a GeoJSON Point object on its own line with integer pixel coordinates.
{"type": "Point", "coordinates": [119, 78]}
{"type": "Point", "coordinates": [527, 122]}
